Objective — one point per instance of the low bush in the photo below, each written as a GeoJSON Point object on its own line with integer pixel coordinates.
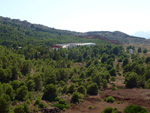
{"type": "Point", "coordinates": [92, 89]}
{"type": "Point", "coordinates": [61, 105]}
{"type": "Point", "coordinates": [135, 109]}
{"type": "Point", "coordinates": [42, 105]}
{"type": "Point", "coordinates": [109, 99]}
{"type": "Point", "coordinates": [90, 107]}
{"type": "Point", "coordinates": [110, 110]}
{"type": "Point", "coordinates": [81, 89]}
{"type": "Point", "coordinates": [24, 108]}
{"type": "Point", "coordinates": [114, 88]}
{"type": "Point", "coordinates": [75, 97]}
{"type": "Point", "coordinates": [119, 102]}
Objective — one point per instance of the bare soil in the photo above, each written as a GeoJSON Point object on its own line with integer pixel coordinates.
{"type": "Point", "coordinates": [124, 96]}
{"type": "Point", "coordinates": [97, 104]}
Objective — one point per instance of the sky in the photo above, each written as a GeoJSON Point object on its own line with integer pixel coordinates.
{"type": "Point", "coordinates": [128, 16]}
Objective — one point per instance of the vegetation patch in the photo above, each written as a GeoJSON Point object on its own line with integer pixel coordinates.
{"type": "Point", "coordinates": [109, 99]}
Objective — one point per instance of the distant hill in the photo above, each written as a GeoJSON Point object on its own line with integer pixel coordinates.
{"type": "Point", "coordinates": [118, 36]}
{"type": "Point", "coordinates": [142, 34]}
{"type": "Point", "coordinates": [19, 33]}
{"type": "Point", "coordinates": [101, 38]}
{"type": "Point", "coordinates": [14, 32]}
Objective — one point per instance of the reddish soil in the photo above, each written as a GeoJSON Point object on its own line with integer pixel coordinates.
{"type": "Point", "coordinates": [102, 38]}
{"type": "Point", "coordinates": [125, 96]}
{"type": "Point", "coordinates": [97, 104]}
{"type": "Point", "coordinates": [136, 96]}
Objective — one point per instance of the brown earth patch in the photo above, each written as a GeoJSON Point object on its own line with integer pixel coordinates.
{"type": "Point", "coordinates": [124, 96]}
{"type": "Point", "coordinates": [136, 96]}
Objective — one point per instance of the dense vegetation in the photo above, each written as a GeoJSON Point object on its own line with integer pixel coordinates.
{"type": "Point", "coordinates": [16, 33]}
{"type": "Point", "coordinates": [29, 74]}
{"type": "Point", "coordinates": [33, 76]}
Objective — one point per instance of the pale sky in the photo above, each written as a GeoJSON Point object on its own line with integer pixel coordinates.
{"type": "Point", "coordinates": [127, 16]}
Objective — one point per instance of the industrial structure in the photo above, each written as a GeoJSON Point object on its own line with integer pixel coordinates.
{"type": "Point", "coordinates": [70, 45]}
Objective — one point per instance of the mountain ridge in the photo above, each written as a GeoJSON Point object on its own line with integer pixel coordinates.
{"type": "Point", "coordinates": [35, 30]}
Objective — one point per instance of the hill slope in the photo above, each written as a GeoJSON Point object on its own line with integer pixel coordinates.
{"type": "Point", "coordinates": [19, 33]}
{"type": "Point", "coordinates": [119, 36]}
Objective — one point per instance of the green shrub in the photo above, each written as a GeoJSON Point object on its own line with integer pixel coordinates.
{"type": "Point", "coordinates": [92, 89]}
{"type": "Point", "coordinates": [75, 97]}
{"type": "Point", "coordinates": [64, 90]}
{"type": "Point", "coordinates": [37, 101]}
{"type": "Point", "coordinates": [90, 107]}
{"type": "Point", "coordinates": [50, 93]}
{"type": "Point", "coordinates": [113, 79]}
{"type": "Point", "coordinates": [19, 109]}
{"type": "Point", "coordinates": [61, 105]}
{"type": "Point", "coordinates": [119, 102]}
{"type": "Point", "coordinates": [24, 108]}
{"type": "Point", "coordinates": [109, 99]}
{"type": "Point", "coordinates": [21, 93]}
{"type": "Point", "coordinates": [42, 105]}
{"type": "Point", "coordinates": [71, 88]}
{"type": "Point", "coordinates": [135, 109]}
{"type": "Point", "coordinates": [35, 109]}
{"type": "Point", "coordinates": [110, 110]}
{"type": "Point", "coordinates": [4, 104]}
{"type": "Point", "coordinates": [147, 84]}
{"type": "Point", "coordinates": [81, 89]}
{"type": "Point", "coordinates": [114, 88]}
{"type": "Point", "coordinates": [112, 72]}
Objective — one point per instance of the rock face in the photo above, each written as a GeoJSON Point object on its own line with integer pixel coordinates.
{"type": "Point", "coordinates": [51, 110]}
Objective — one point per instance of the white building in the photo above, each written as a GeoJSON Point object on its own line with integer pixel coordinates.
{"type": "Point", "coordinates": [70, 45]}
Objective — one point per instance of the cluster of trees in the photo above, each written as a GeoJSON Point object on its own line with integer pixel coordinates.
{"type": "Point", "coordinates": [16, 33]}
{"type": "Point", "coordinates": [33, 72]}
{"type": "Point", "coordinates": [136, 71]}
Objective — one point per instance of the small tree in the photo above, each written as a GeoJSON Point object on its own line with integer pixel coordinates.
{"type": "Point", "coordinates": [4, 104]}
{"type": "Point", "coordinates": [21, 93]}
{"type": "Point", "coordinates": [92, 89]}
{"type": "Point", "coordinates": [135, 109]}
{"type": "Point", "coordinates": [112, 72]}
{"type": "Point", "coordinates": [139, 50]}
{"type": "Point", "coordinates": [24, 108]}
{"type": "Point", "coordinates": [125, 61]}
{"type": "Point", "coordinates": [30, 85]}
{"type": "Point", "coordinates": [145, 50]}
{"type": "Point", "coordinates": [131, 80]}
{"type": "Point", "coordinates": [110, 99]}
{"type": "Point", "coordinates": [71, 88]}
{"type": "Point", "coordinates": [38, 82]}
{"type": "Point", "coordinates": [81, 89]}
{"type": "Point", "coordinates": [110, 110]}
{"type": "Point", "coordinates": [147, 59]}
{"type": "Point", "coordinates": [147, 84]}
{"type": "Point", "coordinates": [50, 93]}
{"type": "Point", "coordinates": [75, 97]}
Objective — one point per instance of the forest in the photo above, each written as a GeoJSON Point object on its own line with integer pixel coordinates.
{"type": "Point", "coordinates": [34, 78]}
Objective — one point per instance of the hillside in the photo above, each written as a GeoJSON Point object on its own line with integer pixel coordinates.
{"type": "Point", "coordinates": [14, 32]}
{"type": "Point", "coordinates": [92, 79]}
{"type": "Point", "coordinates": [19, 33]}
{"type": "Point", "coordinates": [101, 38]}
{"type": "Point", "coordinates": [119, 36]}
